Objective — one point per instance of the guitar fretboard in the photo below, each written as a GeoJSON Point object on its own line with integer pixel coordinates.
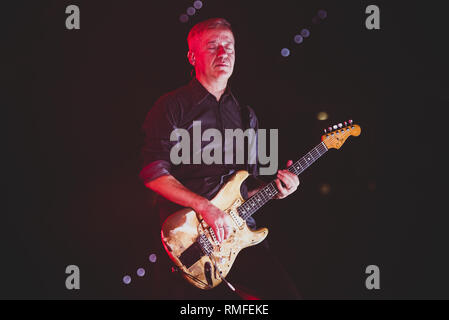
{"type": "Point", "coordinates": [255, 202]}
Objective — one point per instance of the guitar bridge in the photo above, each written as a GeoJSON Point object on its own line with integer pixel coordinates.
{"type": "Point", "coordinates": [205, 244]}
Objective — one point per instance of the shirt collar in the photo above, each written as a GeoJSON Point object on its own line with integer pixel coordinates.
{"type": "Point", "coordinates": [200, 93]}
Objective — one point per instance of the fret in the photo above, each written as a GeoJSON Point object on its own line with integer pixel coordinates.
{"type": "Point", "coordinates": [309, 157]}
{"type": "Point", "coordinates": [303, 164]}
{"type": "Point", "coordinates": [292, 169]}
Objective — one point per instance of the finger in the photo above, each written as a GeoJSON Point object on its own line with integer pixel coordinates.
{"type": "Point", "coordinates": [227, 232]}
{"type": "Point", "coordinates": [281, 189]}
{"type": "Point", "coordinates": [221, 234]}
{"type": "Point", "coordinates": [288, 181]}
{"type": "Point", "coordinates": [293, 178]}
{"type": "Point", "coordinates": [217, 233]}
{"type": "Point", "coordinates": [228, 227]}
{"type": "Point", "coordinates": [289, 163]}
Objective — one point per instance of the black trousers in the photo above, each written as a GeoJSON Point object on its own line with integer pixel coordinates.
{"type": "Point", "coordinates": [256, 274]}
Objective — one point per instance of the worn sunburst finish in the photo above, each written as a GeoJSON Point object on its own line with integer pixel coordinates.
{"type": "Point", "coordinates": [181, 229]}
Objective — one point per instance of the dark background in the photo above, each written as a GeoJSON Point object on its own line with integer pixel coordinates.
{"type": "Point", "coordinates": [76, 100]}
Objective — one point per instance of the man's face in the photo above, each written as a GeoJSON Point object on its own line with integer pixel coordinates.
{"type": "Point", "coordinates": [214, 54]}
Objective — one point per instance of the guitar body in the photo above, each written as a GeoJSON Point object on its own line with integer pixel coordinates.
{"type": "Point", "coordinates": [181, 230]}
{"type": "Point", "coordinates": [191, 244]}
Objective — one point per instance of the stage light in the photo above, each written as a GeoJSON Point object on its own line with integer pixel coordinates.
{"type": "Point", "coordinates": [305, 33]}
{"type": "Point", "coordinates": [322, 115]}
{"type": "Point", "coordinates": [285, 52]}
{"type": "Point", "coordinates": [198, 4]}
{"type": "Point", "coordinates": [191, 11]}
{"type": "Point", "coordinates": [298, 38]}
{"type": "Point", "coordinates": [325, 189]}
{"type": "Point", "coordinates": [322, 14]}
{"type": "Point", "coordinates": [141, 272]}
{"type": "Point", "coordinates": [183, 18]}
{"type": "Point", "coordinates": [126, 279]}
{"type": "Point", "coordinates": [152, 257]}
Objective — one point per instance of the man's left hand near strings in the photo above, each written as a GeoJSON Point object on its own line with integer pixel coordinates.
{"type": "Point", "coordinates": [290, 181]}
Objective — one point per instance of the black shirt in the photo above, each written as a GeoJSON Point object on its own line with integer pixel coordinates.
{"type": "Point", "coordinates": [178, 109]}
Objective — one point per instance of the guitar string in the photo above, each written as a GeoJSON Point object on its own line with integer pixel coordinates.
{"type": "Point", "coordinates": [251, 206]}
{"type": "Point", "coordinates": [248, 212]}
{"type": "Point", "coordinates": [297, 168]}
{"type": "Point", "coordinates": [254, 205]}
{"type": "Point", "coordinates": [320, 150]}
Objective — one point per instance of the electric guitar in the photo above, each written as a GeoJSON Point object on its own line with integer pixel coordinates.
{"type": "Point", "coordinates": [192, 244]}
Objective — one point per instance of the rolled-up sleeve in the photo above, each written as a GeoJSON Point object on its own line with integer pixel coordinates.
{"type": "Point", "coordinates": [160, 121]}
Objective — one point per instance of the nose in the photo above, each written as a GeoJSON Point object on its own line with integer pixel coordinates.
{"type": "Point", "coordinates": [221, 51]}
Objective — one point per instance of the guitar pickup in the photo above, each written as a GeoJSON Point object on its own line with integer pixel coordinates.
{"type": "Point", "coordinates": [191, 255]}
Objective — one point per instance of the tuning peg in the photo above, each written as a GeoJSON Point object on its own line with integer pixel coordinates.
{"type": "Point", "coordinates": [350, 122]}
{"type": "Point", "coordinates": [345, 123]}
{"type": "Point", "coordinates": [335, 127]}
{"type": "Point", "coordinates": [325, 131]}
{"type": "Point", "coordinates": [329, 129]}
{"type": "Point", "coordinates": [340, 125]}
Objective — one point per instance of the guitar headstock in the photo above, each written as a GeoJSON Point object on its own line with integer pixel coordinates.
{"type": "Point", "coordinates": [336, 135]}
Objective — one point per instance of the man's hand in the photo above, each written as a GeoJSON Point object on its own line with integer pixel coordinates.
{"type": "Point", "coordinates": [170, 188]}
{"type": "Point", "coordinates": [218, 220]}
{"type": "Point", "coordinates": [290, 180]}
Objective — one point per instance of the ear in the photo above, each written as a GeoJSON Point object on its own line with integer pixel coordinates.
{"type": "Point", "coordinates": [191, 57]}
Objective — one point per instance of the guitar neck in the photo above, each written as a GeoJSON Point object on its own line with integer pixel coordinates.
{"type": "Point", "coordinates": [255, 202]}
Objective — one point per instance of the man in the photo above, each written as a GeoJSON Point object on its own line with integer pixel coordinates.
{"type": "Point", "coordinates": [207, 98]}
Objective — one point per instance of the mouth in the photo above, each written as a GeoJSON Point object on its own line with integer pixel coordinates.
{"type": "Point", "coordinates": [222, 64]}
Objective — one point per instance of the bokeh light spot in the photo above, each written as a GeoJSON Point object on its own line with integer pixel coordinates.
{"type": "Point", "coordinates": [285, 52]}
